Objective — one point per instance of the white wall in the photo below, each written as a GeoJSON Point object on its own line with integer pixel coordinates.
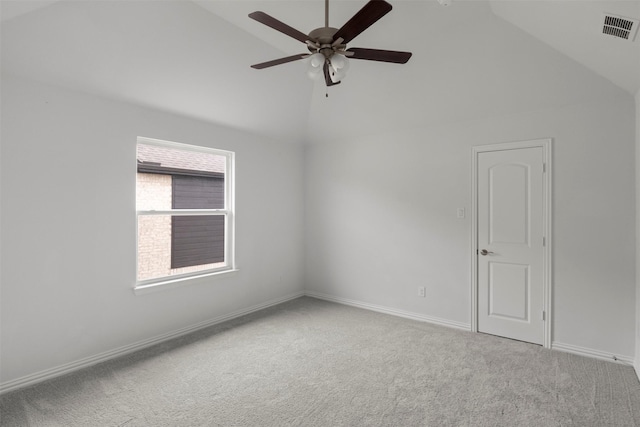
{"type": "Point", "coordinates": [385, 179]}
{"type": "Point", "coordinates": [381, 218]}
{"type": "Point", "coordinates": [68, 227]}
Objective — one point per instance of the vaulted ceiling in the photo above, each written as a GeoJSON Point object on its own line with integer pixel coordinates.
{"type": "Point", "coordinates": [472, 59]}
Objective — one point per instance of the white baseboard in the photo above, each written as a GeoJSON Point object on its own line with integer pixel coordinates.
{"type": "Point", "coordinates": [391, 311]}
{"type": "Point", "coordinates": [568, 348]}
{"type": "Point", "coordinates": [589, 352]}
{"type": "Point", "coordinates": [121, 351]}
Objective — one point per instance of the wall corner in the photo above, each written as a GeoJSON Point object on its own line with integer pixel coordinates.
{"type": "Point", "coordinates": [637, 349]}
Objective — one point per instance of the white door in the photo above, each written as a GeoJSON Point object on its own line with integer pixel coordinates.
{"type": "Point", "coordinates": [510, 243]}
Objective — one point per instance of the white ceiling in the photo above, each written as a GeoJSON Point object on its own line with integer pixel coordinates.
{"type": "Point", "coordinates": [9, 9]}
{"type": "Point", "coordinates": [571, 26]}
{"type": "Point", "coordinates": [170, 56]}
{"type": "Point", "coordinates": [574, 28]}
{"type": "Point", "coordinates": [472, 59]}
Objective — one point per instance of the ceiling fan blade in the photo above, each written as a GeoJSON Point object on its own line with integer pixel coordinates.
{"type": "Point", "coordinates": [362, 20]}
{"type": "Point", "coordinates": [279, 61]}
{"type": "Point", "coordinates": [379, 55]}
{"type": "Point", "coordinates": [327, 76]}
{"type": "Point", "coordinates": [272, 22]}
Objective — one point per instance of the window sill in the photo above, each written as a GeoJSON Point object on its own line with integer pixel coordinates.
{"type": "Point", "coordinates": [177, 283]}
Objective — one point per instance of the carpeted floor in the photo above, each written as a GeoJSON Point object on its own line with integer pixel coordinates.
{"type": "Point", "coordinates": [314, 363]}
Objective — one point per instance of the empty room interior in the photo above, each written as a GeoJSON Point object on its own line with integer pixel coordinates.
{"type": "Point", "coordinates": [427, 215]}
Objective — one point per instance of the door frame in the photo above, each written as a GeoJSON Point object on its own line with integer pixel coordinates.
{"type": "Point", "coordinates": [547, 199]}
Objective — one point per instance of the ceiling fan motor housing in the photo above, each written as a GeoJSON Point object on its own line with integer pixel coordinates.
{"type": "Point", "coordinates": [323, 38]}
{"type": "Point", "coordinates": [323, 35]}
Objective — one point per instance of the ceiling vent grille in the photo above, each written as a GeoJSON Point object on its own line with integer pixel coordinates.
{"type": "Point", "coordinates": [620, 27]}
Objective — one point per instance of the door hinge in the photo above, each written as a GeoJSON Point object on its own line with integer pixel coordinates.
{"type": "Point", "coordinates": [543, 315]}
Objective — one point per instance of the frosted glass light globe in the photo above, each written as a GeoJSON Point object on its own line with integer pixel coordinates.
{"type": "Point", "coordinates": [316, 60]}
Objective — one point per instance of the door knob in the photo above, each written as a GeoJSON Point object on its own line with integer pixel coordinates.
{"type": "Point", "coordinates": [485, 252]}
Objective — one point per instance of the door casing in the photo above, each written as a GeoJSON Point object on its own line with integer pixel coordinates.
{"type": "Point", "coordinates": [547, 210]}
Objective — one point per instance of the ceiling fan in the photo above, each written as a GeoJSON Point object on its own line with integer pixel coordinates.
{"type": "Point", "coordinates": [328, 45]}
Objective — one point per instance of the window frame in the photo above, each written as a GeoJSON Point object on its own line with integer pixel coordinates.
{"type": "Point", "coordinates": [228, 212]}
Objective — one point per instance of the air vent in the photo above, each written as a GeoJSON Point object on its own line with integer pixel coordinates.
{"type": "Point", "coordinates": [620, 27]}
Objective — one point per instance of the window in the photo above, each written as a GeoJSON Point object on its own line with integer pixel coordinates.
{"type": "Point", "coordinates": [184, 204]}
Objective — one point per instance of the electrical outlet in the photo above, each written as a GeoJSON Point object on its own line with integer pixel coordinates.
{"type": "Point", "coordinates": [422, 291]}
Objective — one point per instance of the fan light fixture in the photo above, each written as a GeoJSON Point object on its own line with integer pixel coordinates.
{"type": "Point", "coordinates": [337, 63]}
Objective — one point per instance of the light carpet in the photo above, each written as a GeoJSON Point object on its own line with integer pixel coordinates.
{"type": "Point", "coordinates": [314, 363]}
